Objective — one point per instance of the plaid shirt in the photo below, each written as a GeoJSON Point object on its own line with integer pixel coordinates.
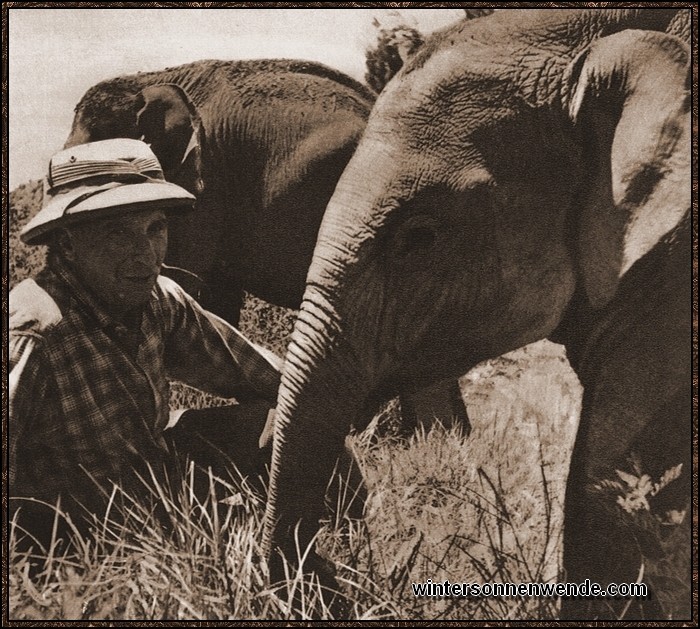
{"type": "Point", "coordinates": [85, 392]}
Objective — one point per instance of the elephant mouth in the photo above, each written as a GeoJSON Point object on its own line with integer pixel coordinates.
{"type": "Point", "coordinates": [376, 398]}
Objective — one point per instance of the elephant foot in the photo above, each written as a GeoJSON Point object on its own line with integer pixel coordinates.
{"type": "Point", "coordinates": [317, 595]}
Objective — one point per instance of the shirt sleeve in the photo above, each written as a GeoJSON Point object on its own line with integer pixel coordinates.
{"type": "Point", "coordinates": [27, 389]}
{"type": "Point", "coordinates": [205, 352]}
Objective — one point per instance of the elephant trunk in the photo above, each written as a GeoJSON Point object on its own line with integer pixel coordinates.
{"type": "Point", "coordinates": [317, 402]}
{"type": "Point", "coordinates": [330, 370]}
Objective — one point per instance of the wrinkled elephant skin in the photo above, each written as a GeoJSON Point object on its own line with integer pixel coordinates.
{"type": "Point", "coordinates": [262, 144]}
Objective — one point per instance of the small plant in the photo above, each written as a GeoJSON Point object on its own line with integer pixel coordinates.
{"type": "Point", "coordinates": [633, 490]}
{"type": "Point", "coordinates": [661, 534]}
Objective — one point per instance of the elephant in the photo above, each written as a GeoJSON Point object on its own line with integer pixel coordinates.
{"type": "Point", "coordinates": [262, 144]}
{"type": "Point", "coordinates": [524, 176]}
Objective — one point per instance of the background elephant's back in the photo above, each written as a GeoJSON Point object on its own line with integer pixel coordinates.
{"type": "Point", "coordinates": [253, 78]}
{"type": "Point", "coordinates": [263, 67]}
{"type": "Point", "coordinates": [276, 136]}
{"type": "Point", "coordinates": [283, 115]}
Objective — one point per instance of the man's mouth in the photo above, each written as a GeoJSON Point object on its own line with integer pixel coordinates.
{"type": "Point", "coordinates": [141, 278]}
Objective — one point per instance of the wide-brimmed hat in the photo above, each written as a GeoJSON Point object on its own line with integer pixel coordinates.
{"type": "Point", "coordinates": [100, 179]}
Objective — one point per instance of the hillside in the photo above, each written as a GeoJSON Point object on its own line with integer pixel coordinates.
{"type": "Point", "coordinates": [25, 201]}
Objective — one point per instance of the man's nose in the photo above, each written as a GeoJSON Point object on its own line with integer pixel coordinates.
{"type": "Point", "coordinates": [148, 249]}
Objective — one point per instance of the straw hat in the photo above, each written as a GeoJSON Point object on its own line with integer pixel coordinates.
{"type": "Point", "coordinates": [101, 179]}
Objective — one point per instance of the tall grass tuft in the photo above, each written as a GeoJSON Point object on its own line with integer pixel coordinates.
{"type": "Point", "coordinates": [203, 563]}
{"type": "Point", "coordinates": [434, 513]}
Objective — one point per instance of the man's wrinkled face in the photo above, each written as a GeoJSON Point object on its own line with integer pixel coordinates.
{"type": "Point", "coordinates": [119, 258]}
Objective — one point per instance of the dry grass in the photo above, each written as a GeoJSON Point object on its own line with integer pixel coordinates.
{"type": "Point", "coordinates": [204, 565]}
{"type": "Point", "coordinates": [207, 566]}
{"type": "Point", "coordinates": [488, 508]}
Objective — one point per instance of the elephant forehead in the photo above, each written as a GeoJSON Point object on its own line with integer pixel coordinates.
{"type": "Point", "coordinates": [108, 96]}
{"type": "Point", "coordinates": [385, 174]}
{"type": "Point", "coordinates": [449, 106]}
{"type": "Point", "coordinates": [458, 74]}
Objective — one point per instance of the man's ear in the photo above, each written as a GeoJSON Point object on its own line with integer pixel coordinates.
{"type": "Point", "coordinates": [63, 241]}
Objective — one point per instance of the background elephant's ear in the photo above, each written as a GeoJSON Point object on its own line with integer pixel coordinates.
{"type": "Point", "coordinates": [168, 121]}
{"type": "Point", "coordinates": [631, 105]}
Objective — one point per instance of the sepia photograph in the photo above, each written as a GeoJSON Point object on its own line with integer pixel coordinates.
{"type": "Point", "coordinates": [350, 313]}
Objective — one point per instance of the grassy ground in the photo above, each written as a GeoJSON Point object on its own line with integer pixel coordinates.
{"type": "Point", "coordinates": [484, 509]}
{"type": "Point", "coordinates": [440, 508]}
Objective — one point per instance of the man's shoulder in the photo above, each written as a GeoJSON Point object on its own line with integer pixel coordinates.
{"type": "Point", "coordinates": [170, 291]}
{"type": "Point", "coordinates": [32, 309]}
{"type": "Point", "coordinates": [167, 285]}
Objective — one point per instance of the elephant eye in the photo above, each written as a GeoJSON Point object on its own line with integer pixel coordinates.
{"type": "Point", "coordinates": [415, 237]}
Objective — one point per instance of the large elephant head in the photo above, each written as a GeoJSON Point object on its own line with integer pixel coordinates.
{"type": "Point", "coordinates": [164, 116]}
{"type": "Point", "coordinates": [516, 173]}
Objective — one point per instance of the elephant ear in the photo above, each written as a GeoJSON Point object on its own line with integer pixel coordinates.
{"type": "Point", "coordinates": [169, 122]}
{"type": "Point", "coordinates": [631, 104]}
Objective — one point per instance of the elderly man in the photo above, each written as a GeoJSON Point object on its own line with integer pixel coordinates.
{"type": "Point", "coordinates": [98, 334]}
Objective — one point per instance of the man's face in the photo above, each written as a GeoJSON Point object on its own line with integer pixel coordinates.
{"type": "Point", "coordinates": [119, 258]}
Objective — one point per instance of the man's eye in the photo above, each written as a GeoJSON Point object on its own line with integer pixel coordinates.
{"type": "Point", "coordinates": [119, 235]}
{"type": "Point", "coordinates": [158, 227]}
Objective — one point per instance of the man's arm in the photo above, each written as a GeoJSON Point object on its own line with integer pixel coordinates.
{"type": "Point", "coordinates": [33, 313]}
{"type": "Point", "coordinates": [27, 390]}
{"type": "Point", "coordinates": [206, 352]}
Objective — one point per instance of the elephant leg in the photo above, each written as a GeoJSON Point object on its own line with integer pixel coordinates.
{"type": "Point", "coordinates": [633, 531]}
{"type": "Point", "coordinates": [226, 300]}
{"type": "Point", "coordinates": [441, 402]}
{"type": "Point", "coordinates": [594, 547]}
